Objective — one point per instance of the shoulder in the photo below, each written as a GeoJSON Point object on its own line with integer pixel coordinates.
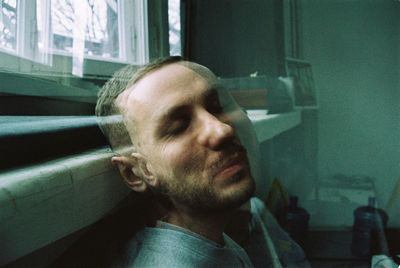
{"type": "Point", "coordinates": [157, 247]}
{"type": "Point", "coordinates": [145, 250]}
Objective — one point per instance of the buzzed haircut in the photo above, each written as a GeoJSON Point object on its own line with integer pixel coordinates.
{"type": "Point", "coordinates": [110, 117]}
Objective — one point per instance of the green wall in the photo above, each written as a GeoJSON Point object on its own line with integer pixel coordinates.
{"type": "Point", "coordinates": [354, 48]}
{"type": "Point", "coordinates": [236, 37]}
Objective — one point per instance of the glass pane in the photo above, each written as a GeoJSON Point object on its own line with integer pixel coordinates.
{"type": "Point", "coordinates": [101, 35]}
{"type": "Point", "coordinates": [174, 19]}
{"type": "Point", "coordinates": [8, 24]}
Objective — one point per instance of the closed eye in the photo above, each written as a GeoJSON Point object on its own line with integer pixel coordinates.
{"type": "Point", "coordinates": [178, 126]}
{"type": "Point", "coordinates": [174, 121]}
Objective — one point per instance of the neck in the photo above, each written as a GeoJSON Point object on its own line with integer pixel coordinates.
{"type": "Point", "coordinates": [210, 226]}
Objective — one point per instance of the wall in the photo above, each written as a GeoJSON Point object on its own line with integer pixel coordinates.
{"type": "Point", "coordinates": [158, 28]}
{"type": "Point", "coordinates": [354, 49]}
{"type": "Point", "coordinates": [236, 37]}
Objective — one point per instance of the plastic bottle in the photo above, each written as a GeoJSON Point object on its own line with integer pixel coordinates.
{"type": "Point", "coordinates": [368, 229]}
{"type": "Point", "coordinates": [295, 220]}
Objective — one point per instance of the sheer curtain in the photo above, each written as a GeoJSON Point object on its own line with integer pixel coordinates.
{"type": "Point", "coordinates": [43, 32]}
{"type": "Point", "coordinates": [78, 43]}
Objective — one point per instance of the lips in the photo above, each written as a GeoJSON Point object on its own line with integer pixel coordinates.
{"type": "Point", "coordinates": [230, 166]}
{"type": "Point", "coordinates": [230, 171]}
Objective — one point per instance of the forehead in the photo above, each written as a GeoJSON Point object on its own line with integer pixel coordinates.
{"type": "Point", "coordinates": [169, 80]}
{"type": "Point", "coordinates": [169, 86]}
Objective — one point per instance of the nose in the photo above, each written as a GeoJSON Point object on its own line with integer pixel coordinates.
{"type": "Point", "coordinates": [213, 131]}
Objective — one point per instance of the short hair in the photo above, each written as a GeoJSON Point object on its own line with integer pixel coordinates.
{"type": "Point", "coordinates": [110, 117]}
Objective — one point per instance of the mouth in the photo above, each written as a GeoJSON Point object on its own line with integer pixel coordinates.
{"type": "Point", "coordinates": [232, 168]}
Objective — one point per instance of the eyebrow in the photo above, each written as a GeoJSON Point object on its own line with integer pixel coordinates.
{"type": "Point", "coordinates": [175, 111]}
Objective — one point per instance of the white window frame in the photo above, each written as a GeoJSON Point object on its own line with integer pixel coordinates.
{"type": "Point", "coordinates": [136, 38]}
{"type": "Point", "coordinates": [133, 44]}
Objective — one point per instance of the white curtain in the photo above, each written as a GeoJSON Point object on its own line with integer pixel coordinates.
{"type": "Point", "coordinates": [78, 47]}
{"type": "Point", "coordinates": [44, 36]}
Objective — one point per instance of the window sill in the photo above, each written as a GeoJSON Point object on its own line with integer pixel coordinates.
{"type": "Point", "coordinates": [61, 66]}
{"type": "Point", "coordinates": [25, 140]}
{"type": "Point", "coordinates": [25, 125]}
{"type": "Point", "coordinates": [35, 86]}
{"type": "Point", "coordinates": [268, 126]}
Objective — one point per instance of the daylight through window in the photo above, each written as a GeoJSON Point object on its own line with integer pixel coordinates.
{"type": "Point", "coordinates": [102, 30]}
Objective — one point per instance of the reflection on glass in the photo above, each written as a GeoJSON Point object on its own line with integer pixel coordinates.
{"type": "Point", "coordinates": [8, 24]}
{"type": "Point", "coordinates": [101, 29]}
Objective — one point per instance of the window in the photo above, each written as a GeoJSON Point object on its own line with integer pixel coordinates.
{"type": "Point", "coordinates": [8, 25]}
{"type": "Point", "coordinates": [100, 31]}
{"type": "Point", "coordinates": [54, 56]}
{"type": "Point", "coordinates": [78, 34]}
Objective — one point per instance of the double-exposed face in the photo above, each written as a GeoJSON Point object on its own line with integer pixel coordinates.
{"type": "Point", "coordinates": [186, 138]}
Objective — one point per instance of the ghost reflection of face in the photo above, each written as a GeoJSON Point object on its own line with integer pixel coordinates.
{"type": "Point", "coordinates": [187, 138]}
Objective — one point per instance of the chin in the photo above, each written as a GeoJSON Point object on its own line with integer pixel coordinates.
{"type": "Point", "coordinates": [233, 196]}
{"type": "Point", "coordinates": [214, 198]}
{"type": "Point", "coordinates": [241, 192]}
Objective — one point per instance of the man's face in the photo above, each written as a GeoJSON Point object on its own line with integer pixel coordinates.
{"type": "Point", "coordinates": [188, 141]}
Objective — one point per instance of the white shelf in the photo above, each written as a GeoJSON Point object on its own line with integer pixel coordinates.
{"type": "Point", "coordinates": [268, 126]}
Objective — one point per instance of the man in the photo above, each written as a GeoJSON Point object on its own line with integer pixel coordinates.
{"type": "Point", "coordinates": [173, 128]}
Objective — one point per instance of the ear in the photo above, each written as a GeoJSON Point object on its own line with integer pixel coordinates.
{"type": "Point", "coordinates": [143, 169]}
{"type": "Point", "coordinates": [127, 167]}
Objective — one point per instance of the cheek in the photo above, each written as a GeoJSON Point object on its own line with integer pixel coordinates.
{"type": "Point", "coordinates": [182, 158]}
